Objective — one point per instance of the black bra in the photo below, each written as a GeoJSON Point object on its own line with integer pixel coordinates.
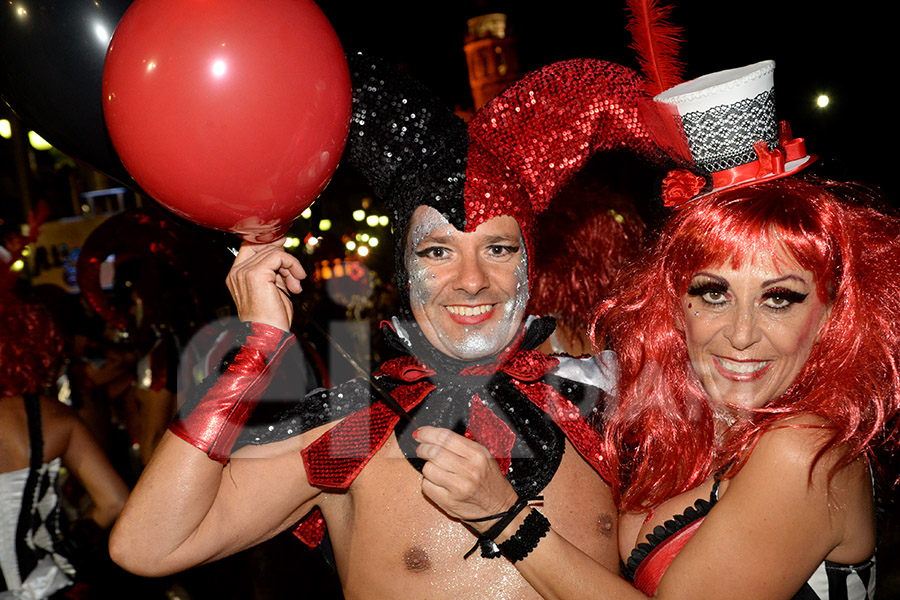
{"type": "Point", "coordinates": [672, 526]}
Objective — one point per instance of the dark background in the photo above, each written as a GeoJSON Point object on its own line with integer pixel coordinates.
{"type": "Point", "coordinates": [844, 49]}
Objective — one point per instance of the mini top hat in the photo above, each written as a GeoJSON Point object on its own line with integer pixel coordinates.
{"type": "Point", "coordinates": [728, 133]}
{"type": "Point", "coordinates": [512, 157]}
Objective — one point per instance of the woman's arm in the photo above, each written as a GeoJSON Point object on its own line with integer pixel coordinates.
{"type": "Point", "coordinates": [762, 540]}
{"type": "Point", "coordinates": [464, 480]}
{"type": "Point", "coordinates": [85, 458]}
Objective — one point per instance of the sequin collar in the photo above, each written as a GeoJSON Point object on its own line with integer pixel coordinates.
{"type": "Point", "coordinates": [507, 403]}
{"type": "Point", "coordinates": [479, 399]}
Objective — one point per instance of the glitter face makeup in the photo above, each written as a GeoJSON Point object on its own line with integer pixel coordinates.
{"type": "Point", "coordinates": [468, 290]}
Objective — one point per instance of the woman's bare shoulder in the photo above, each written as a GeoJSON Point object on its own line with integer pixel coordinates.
{"type": "Point", "coordinates": [799, 440]}
{"type": "Point", "coordinates": [793, 452]}
{"type": "Point", "coordinates": [57, 416]}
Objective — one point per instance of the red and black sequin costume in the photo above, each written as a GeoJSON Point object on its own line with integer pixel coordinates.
{"type": "Point", "coordinates": [520, 404]}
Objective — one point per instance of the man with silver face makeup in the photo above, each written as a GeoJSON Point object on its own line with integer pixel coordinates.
{"type": "Point", "coordinates": [468, 291]}
{"type": "Point", "coordinates": [464, 200]}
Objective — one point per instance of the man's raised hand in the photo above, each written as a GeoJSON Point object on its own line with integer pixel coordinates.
{"type": "Point", "coordinates": [261, 280]}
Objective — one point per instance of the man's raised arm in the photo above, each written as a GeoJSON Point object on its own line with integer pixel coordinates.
{"type": "Point", "coordinates": [194, 502]}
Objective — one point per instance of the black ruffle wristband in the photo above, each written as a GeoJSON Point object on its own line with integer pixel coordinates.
{"type": "Point", "coordinates": [526, 538]}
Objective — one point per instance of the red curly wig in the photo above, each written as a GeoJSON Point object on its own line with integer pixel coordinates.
{"type": "Point", "coordinates": [659, 436]}
{"type": "Point", "coordinates": [31, 347]}
{"type": "Point", "coordinates": [585, 236]}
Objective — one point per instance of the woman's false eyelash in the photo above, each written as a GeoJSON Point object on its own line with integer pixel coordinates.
{"type": "Point", "coordinates": [705, 287]}
{"type": "Point", "coordinates": [793, 297]}
{"type": "Point", "coordinates": [790, 296]}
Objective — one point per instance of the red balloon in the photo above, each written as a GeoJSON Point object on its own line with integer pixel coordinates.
{"type": "Point", "coordinates": [231, 114]}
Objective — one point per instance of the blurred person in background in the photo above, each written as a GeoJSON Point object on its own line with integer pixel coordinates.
{"type": "Point", "coordinates": [41, 437]}
{"type": "Point", "coordinates": [586, 235]}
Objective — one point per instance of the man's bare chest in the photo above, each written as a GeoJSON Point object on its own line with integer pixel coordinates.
{"type": "Point", "coordinates": [405, 542]}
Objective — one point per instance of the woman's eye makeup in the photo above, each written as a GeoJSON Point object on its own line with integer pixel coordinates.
{"type": "Point", "coordinates": [782, 297]}
{"type": "Point", "coordinates": [711, 292]}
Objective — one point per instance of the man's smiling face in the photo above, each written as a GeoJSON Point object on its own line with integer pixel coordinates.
{"type": "Point", "coordinates": [468, 291]}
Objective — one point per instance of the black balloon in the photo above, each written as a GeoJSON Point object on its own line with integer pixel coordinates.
{"type": "Point", "coordinates": [51, 71]}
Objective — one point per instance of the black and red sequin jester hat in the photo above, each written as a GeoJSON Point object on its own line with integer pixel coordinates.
{"type": "Point", "coordinates": [512, 157]}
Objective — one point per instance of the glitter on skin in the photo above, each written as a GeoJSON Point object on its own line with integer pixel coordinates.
{"type": "Point", "coordinates": [419, 275]}
{"type": "Point", "coordinates": [498, 582]}
{"type": "Point", "coordinates": [476, 577]}
{"type": "Point", "coordinates": [483, 343]}
{"type": "Point", "coordinates": [477, 341]}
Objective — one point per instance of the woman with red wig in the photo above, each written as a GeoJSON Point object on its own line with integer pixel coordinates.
{"type": "Point", "coordinates": [38, 436]}
{"type": "Point", "coordinates": [758, 356]}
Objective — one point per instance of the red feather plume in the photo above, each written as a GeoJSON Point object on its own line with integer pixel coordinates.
{"type": "Point", "coordinates": [656, 42]}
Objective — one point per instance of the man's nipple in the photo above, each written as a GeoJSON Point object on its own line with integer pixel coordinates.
{"type": "Point", "coordinates": [416, 560]}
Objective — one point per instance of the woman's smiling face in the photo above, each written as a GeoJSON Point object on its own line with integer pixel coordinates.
{"type": "Point", "coordinates": [750, 330]}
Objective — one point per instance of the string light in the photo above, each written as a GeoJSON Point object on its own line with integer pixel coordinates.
{"type": "Point", "coordinates": [37, 142]}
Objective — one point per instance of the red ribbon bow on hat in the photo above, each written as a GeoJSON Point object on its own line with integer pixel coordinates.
{"type": "Point", "coordinates": [681, 185]}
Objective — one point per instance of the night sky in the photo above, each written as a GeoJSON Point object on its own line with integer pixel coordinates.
{"type": "Point", "coordinates": [834, 49]}
{"type": "Point", "coordinates": [818, 48]}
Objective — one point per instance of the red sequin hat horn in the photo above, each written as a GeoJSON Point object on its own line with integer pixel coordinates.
{"type": "Point", "coordinates": [528, 142]}
{"type": "Point", "coordinates": [517, 152]}
{"type": "Point", "coordinates": [727, 120]}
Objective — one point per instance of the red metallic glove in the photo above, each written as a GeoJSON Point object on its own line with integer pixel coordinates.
{"type": "Point", "coordinates": [212, 418]}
